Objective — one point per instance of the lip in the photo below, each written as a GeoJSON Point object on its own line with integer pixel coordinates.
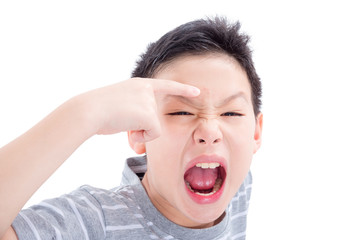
{"type": "Point", "coordinates": [206, 159]}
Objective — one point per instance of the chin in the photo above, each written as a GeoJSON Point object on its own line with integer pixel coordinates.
{"type": "Point", "coordinates": [206, 215]}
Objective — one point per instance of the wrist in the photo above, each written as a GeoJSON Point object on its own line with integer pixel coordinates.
{"type": "Point", "coordinates": [81, 110]}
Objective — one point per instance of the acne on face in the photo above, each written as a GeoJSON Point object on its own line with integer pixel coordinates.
{"type": "Point", "coordinates": [219, 122]}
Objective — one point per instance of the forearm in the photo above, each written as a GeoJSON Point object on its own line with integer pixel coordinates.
{"type": "Point", "coordinates": [28, 161]}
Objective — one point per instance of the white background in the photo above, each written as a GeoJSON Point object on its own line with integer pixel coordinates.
{"type": "Point", "coordinates": [306, 174]}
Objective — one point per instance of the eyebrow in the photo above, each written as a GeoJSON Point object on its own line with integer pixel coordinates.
{"type": "Point", "coordinates": [189, 101]}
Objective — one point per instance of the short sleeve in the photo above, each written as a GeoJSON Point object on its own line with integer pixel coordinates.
{"type": "Point", "coordinates": [73, 216]}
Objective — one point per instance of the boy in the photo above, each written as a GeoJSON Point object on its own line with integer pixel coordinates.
{"type": "Point", "coordinates": [199, 129]}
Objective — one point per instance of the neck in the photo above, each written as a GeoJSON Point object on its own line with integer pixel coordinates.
{"type": "Point", "coordinates": [170, 212]}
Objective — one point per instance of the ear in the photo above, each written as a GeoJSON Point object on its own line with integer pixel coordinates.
{"type": "Point", "coordinates": [258, 132]}
{"type": "Point", "coordinates": [138, 147]}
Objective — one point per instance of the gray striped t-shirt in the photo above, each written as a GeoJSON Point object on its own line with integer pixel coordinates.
{"type": "Point", "coordinates": [125, 212]}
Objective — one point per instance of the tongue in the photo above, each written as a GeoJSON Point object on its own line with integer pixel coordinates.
{"type": "Point", "coordinates": [200, 178]}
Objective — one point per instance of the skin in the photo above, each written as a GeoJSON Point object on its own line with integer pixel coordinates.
{"type": "Point", "coordinates": [219, 121]}
{"type": "Point", "coordinates": [50, 142]}
{"type": "Point", "coordinates": [106, 111]}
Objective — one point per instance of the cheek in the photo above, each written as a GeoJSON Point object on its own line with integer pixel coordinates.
{"type": "Point", "coordinates": [240, 133]}
{"type": "Point", "coordinates": [241, 145]}
{"type": "Point", "coordinates": [240, 141]}
{"type": "Point", "coordinates": [176, 132]}
{"type": "Point", "coordinates": [167, 149]}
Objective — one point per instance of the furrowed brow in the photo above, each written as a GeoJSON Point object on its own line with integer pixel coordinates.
{"type": "Point", "coordinates": [182, 99]}
{"type": "Point", "coordinates": [189, 101]}
{"type": "Point", "coordinates": [238, 95]}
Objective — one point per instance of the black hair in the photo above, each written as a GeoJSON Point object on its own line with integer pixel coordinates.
{"type": "Point", "coordinates": [202, 37]}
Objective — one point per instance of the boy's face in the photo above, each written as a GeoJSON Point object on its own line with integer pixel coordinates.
{"type": "Point", "coordinates": [218, 128]}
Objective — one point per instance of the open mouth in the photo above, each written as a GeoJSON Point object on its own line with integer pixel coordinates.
{"type": "Point", "coordinates": [205, 180]}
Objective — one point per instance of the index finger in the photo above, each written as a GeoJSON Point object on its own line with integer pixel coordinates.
{"type": "Point", "coordinates": [170, 87]}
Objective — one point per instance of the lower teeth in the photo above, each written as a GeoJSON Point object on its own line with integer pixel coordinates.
{"type": "Point", "coordinates": [216, 187]}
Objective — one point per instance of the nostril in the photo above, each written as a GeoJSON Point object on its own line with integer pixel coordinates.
{"type": "Point", "coordinates": [203, 141]}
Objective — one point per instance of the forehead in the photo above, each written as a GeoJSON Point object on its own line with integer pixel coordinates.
{"type": "Point", "coordinates": [203, 103]}
{"type": "Point", "coordinates": [218, 76]}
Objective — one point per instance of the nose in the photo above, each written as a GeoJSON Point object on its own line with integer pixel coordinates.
{"type": "Point", "coordinates": [207, 132]}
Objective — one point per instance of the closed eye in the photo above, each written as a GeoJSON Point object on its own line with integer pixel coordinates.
{"type": "Point", "coordinates": [232, 114]}
{"type": "Point", "coordinates": [181, 113]}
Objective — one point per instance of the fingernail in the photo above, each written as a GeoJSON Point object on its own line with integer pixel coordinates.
{"type": "Point", "coordinates": [195, 91]}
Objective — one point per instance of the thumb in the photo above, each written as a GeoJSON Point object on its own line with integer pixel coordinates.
{"type": "Point", "coordinates": [146, 135]}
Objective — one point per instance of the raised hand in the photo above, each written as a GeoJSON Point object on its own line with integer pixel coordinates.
{"type": "Point", "coordinates": [131, 105]}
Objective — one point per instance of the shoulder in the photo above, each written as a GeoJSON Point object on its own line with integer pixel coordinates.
{"type": "Point", "coordinates": [123, 215]}
{"type": "Point", "coordinates": [240, 203]}
{"type": "Point", "coordinates": [120, 192]}
{"type": "Point", "coordinates": [114, 199]}
{"type": "Point", "coordinates": [87, 212]}
{"type": "Point", "coordinates": [238, 209]}
{"type": "Point", "coordinates": [121, 198]}
{"type": "Point", "coordinates": [244, 192]}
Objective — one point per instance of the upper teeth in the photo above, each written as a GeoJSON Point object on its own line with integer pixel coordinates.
{"type": "Point", "coordinates": [208, 165]}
